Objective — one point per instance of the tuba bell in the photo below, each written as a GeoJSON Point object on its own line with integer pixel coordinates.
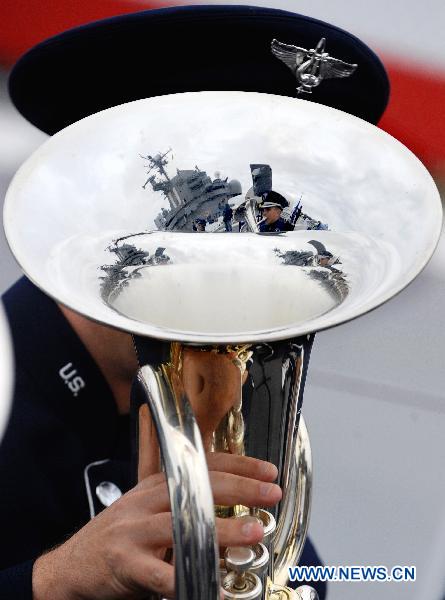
{"type": "Point", "coordinates": [223, 323]}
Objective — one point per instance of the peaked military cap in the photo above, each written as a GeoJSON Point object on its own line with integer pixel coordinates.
{"type": "Point", "coordinates": [273, 199]}
{"type": "Point", "coordinates": [184, 49]}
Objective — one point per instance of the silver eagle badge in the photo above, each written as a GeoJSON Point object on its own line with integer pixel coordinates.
{"type": "Point", "coordinates": [310, 67]}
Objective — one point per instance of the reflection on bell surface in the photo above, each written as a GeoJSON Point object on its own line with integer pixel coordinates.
{"type": "Point", "coordinates": [311, 220]}
{"type": "Point", "coordinates": [184, 292]}
{"type": "Point", "coordinates": [356, 191]}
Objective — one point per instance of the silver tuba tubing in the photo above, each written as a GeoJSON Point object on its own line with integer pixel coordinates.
{"type": "Point", "coordinates": [184, 462]}
{"type": "Point", "coordinates": [256, 414]}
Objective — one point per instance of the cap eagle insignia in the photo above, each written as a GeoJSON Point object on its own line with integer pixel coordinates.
{"type": "Point", "coordinates": [310, 67]}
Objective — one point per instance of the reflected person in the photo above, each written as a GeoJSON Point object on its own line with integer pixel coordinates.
{"type": "Point", "coordinates": [271, 207]}
{"type": "Point", "coordinates": [227, 216]}
{"type": "Point", "coordinates": [199, 225]}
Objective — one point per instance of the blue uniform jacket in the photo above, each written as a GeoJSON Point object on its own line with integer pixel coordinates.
{"type": "Point", "coordinates": [279, 225]}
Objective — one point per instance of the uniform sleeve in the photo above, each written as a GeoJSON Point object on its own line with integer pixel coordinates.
{"type": "Point", "coordinates": [16, 582]}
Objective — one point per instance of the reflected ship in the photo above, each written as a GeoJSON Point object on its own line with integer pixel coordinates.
{"type": "Point", "coordinates": [191, 194]}
{"type": "Point", "coordinates": [195, 199]}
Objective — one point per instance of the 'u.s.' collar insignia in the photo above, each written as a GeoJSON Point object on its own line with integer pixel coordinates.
{"type": "Point", "coordinates": [310, 67]}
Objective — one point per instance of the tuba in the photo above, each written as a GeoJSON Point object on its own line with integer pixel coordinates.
{"type": "Point", "coordinates": [119, 218]}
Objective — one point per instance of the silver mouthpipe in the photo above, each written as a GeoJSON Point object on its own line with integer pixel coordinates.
{"type": "Point", "coordinates": [189, 488]}
{"type": "Point", "coordinates": [250, 214]}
